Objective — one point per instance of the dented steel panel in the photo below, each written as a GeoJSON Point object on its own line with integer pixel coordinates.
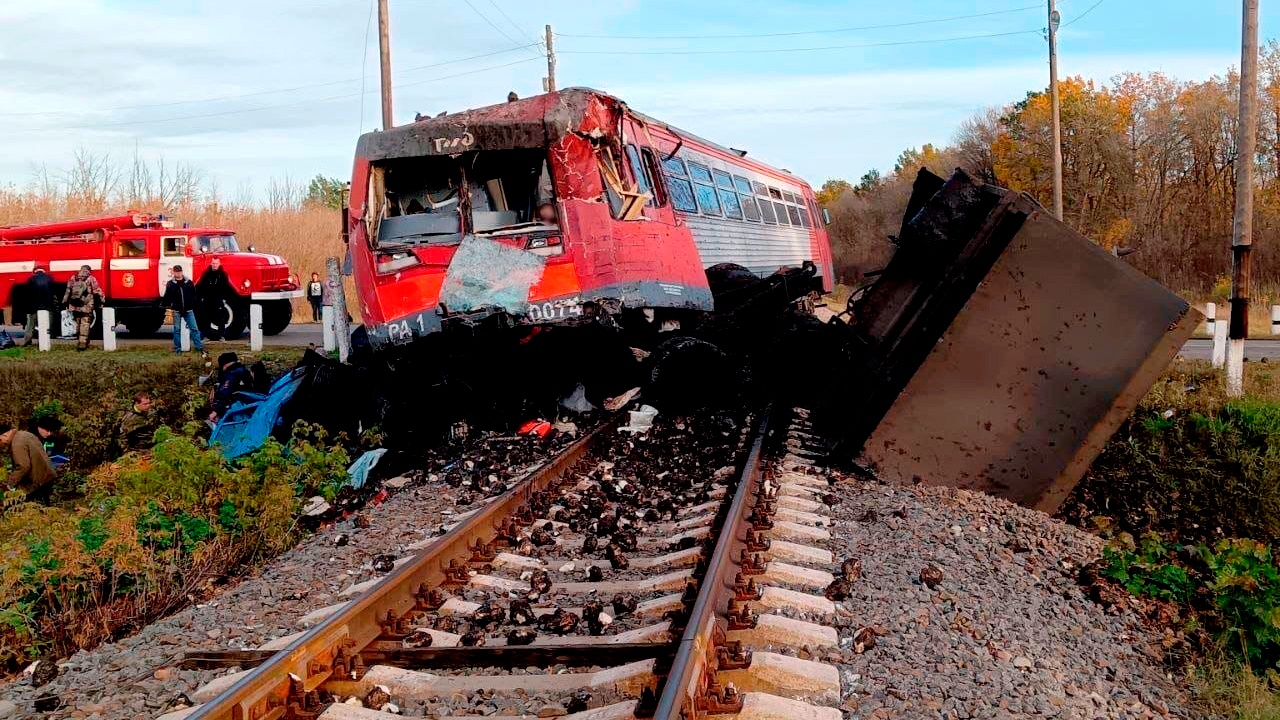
{"type": "Point", "coordinates": [1038, 368]}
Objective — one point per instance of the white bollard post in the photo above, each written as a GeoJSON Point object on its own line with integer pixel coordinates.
{"type": "Point", "coordinates": [186, 335]}
{"type": "Point", "coordinates": [255, 327]}
{"type": "Point", "coordinates": [1275, 319]}
{"type": "Point", "coordinates": [108, 329]}
{"type": "Point", "coordinates": [1210, 317]}
{"type": "Point", "coordinates": [1220, 344]}
{"type": "Point", "coordinates": [42, 327]}
{"type": "Point", "coordinates": [330, 337]}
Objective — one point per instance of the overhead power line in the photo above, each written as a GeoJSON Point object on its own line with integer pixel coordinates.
{"type": "Point", "coordinates": [827, 31]}
{"type": "Point", "coordinates": [311, 101]}
{"type": "Point", "coordinates": [803, 49]}
{"type": "Point", "coordinates": [1086, 12]}
{"type": "Point", "coordinates": [523, 33]}
{"type": "Point", "coordinates": [491, 23]}
{"type": "Point", "coordinates": [275, 91]}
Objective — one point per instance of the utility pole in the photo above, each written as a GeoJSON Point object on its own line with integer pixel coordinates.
{"type": "Point", "coordinates": [384, 56]}
{"type": "Point", "coordinates": [1054, 19]}
{"type": "Point", "coordinates": [1242, 227]}
{"type": "Point", "coordinates": [551, 61]}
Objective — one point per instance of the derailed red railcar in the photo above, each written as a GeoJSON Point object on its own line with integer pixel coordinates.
{"type": "Point", "coordinates": [559, 207]}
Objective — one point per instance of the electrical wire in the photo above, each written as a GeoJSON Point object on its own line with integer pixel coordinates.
{"type": "Point", "coordinates": [364, 60]}
{"type": "Point", "coordinates": [1086, 12]}
{"type": "Point", "coordinates": [276, 91]}
{"type": "Point", "coordinates": [490, 23]}
{"type": "Point", "coordinates": [513, 24]}
{"type": "Point", "coordinates": [804, 49]}
{"type": "Point", "coordinates": [913, 23]}
{"type": "Point", "coordinates": [311, 101]}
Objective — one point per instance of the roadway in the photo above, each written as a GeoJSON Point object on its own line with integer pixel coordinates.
{"type": "Point", "coordinates": [301, 335]}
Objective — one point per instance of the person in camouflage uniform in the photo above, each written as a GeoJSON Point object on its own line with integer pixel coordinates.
{"type": "Point", "coordinates": [83, 296]}
{"type": "Point", "coordinates": [138, 425]}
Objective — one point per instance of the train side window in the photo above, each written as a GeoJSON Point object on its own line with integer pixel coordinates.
{"type": "Point", "coordinates": [793, 212]}
{"type": "Point", "coordinates": [679, 186]}
{"type": "Point", "coordinates": [789, 197]}
{"type": "Point", "coordinates": [655, 175]}
{"type": "Point", "coordinates": [775, 193]}
{"type": "Point", "coordinates": [640, 172]}
{"type": "Point", "coordinates": [705, 190]}
{"type": "Point", "coordinates": [728, 198]}
{"type": "Point", "coordinates": [674, 166]}
{"type": "Point", "coordinates": [766, 212]}
{"type": "Point", "coordinates": [760, 189]}
{"type": "Point", "coordinates": [749, 207]}
{"type": "Point", "coordinates": [804, 217]}
{"type": "Point", "coordinates": [781, 211]}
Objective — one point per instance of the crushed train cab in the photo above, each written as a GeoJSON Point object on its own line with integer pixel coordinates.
{"type": "Point", "coordinates": [558, 207]}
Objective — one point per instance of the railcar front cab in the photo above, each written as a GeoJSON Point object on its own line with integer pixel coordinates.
{"type": "Point", "coordinates": [418, 212]}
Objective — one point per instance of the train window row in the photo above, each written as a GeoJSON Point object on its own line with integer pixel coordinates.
{"type": "Point", "coordinates": [696, 188]}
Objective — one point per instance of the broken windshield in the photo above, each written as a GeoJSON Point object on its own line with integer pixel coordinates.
{"type": "Point", "coordinates": [434, 199]}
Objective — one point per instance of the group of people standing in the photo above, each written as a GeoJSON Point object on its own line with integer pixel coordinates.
{"type": "Point", "coordinates": [82, 296]}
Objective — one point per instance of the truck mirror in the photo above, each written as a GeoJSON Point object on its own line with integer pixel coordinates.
{"type": "Point", "coordinates": [826, 217]}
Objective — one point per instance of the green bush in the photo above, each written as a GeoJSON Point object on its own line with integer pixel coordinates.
{"type": "Point", "coordinates": [1147, 572]}
{"type": "Point", "coordinates": [153, 528]}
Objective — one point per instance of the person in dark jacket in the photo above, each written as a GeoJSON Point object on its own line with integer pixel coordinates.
{"type": "Point", "coordinates": [54, 440]}
{"type": "Point", "coordinates": [40, 296]}
{"type": "Point", "coordinates": [232, 378]}
{"type": "Point", "coordinates": [32, 472]}
{"type": "Point", "coordinates": [180, 297]}
{"type": "Point", "coordinates": [212, 293]}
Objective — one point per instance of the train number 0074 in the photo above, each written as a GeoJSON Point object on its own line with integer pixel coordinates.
{"type": "Point", "coordinates": [555, 310]}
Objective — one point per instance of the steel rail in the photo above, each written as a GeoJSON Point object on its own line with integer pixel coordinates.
{"type": "Point", "coordinates": [284, 682]}
{"type": "Point", "coordinates": [686, 688]}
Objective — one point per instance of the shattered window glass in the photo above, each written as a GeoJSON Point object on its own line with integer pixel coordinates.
{"type": "Point", "coordinates": [708, 199]}
{"type": "Point", "coordinates": [674, 166]}
{"type": "Point", "coordinates": [655, 176]}
{"type": "Point", "coordinates": [700, 173]}
{"type": "Point", "coordinates": [681, 194]}
{"type": "Point", "coordinates": [749, 207]}
{"type": "Point", "coordinates": [639, 171]}
{"type": "Point", "coordinates": [732, 208]}
{"type": "Point", "coordinates": [486, 273]}
{"type": "Point", "coordinates": [766, 212]}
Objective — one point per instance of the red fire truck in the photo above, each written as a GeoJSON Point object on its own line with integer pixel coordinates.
{"type": "Point", "coordinates": [547, 209]}
{"type": "Point", "coordinates": [131, 256]}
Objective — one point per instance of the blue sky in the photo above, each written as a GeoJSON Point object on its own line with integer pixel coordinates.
{"type": "Point", "coordinates": [248, 90]}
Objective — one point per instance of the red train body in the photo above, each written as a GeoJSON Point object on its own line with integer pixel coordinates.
{"type": "Point", "coordinates": [556, 207]}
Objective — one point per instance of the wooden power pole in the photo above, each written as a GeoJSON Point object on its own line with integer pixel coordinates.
{"type": "Point", "coordinates": [551, 61]}
{"type": "Point", "coordinates": [1054, 19]}
{"type": "Point", "coordinates": [1242, 227]}
{"type": "Point", "coordinates": [384, 56]}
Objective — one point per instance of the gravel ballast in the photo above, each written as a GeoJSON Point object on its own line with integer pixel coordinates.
{"type": "Point", "coordinates": [1007, 632]}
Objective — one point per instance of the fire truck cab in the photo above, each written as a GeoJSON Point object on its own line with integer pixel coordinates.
{"type": "Point", "coordinates": [132, 255]}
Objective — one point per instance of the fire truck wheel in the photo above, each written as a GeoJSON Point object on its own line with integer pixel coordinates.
{"type": "Point", "coordinates": [233, 320]}
{"type": "Point", "coordinates": [276, 316]}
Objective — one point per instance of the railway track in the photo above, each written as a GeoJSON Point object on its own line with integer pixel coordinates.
{"type": "Point", "coordinates": [672, 574]}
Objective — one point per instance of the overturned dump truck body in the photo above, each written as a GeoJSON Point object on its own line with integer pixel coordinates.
{"type": "Point", "coordinates": [999, 349]}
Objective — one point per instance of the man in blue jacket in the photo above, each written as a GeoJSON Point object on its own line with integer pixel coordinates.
{"type": "Point", "coordinates": [180, 297]}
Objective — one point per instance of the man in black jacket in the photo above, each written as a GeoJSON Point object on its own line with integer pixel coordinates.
{"type": "Point", "coordinates": [40, 296]}
{"type": "Point", "coordinates": [212, 293]}
{"type": "Point", "coordinates": [232, 378]}
{"type": "Point", "coordinates": [180, 297]}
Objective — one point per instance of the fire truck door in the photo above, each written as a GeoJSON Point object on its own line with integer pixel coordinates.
{"type": "Point", "coordinates": [173, 251]}
{"type": "Point", "coordinates": [129, 268]}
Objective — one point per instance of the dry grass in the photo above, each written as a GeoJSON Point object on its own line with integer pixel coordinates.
{"type": "Point", "coordinates": [1225, 688]}
{"type": "Point", "coordinates": [303, 233]}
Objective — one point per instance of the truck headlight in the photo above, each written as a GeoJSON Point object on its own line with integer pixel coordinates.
{"type": "Point", "coordinates": [246, 282]}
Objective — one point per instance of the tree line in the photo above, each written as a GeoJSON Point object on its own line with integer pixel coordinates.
{"type": "Point", "coordinates": [1148, 165]}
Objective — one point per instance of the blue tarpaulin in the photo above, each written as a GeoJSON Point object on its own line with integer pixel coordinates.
{"type": "Point", "coordinates": [252, 417]}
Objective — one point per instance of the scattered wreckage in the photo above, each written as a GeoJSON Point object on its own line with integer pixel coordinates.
{"type": "Point", "coordinates": [566, 253]}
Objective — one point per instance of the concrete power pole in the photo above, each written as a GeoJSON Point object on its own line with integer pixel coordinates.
{"type": "Point", "coordinates": [384, 56]}
{"type": "Point", "coordinates": [551, 61]}
{"type": "Point", "coordinates": [1054, 19]}
{"type": "Point", "coordinates": [1242, 227]}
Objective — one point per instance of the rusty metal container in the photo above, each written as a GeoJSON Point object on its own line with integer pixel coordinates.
{"type": "Point", "coordinates": [1008, 347]}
